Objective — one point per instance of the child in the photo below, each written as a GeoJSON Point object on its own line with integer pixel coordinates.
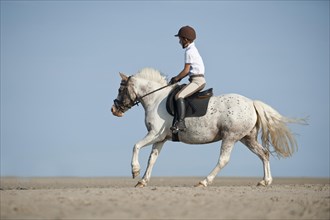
{"type": "Point", "coordinates": [194, 67]}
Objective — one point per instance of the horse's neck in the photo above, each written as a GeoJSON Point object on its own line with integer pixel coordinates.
{"type": "Point", "coordinates": [152, 99]}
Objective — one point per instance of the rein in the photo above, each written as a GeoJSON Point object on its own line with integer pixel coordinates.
{"type": "Point", "coordinates": [140, 98]}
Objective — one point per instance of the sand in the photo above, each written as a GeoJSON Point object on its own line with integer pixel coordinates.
{"type": "Point", "coordinates": [163, 198]}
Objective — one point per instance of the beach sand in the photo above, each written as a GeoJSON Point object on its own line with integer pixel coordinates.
{"type": "Point", "coordinates": [163, 198]}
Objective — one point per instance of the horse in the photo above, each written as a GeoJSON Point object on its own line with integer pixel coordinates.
{"type": "Point", "coordinates": [229, 118]}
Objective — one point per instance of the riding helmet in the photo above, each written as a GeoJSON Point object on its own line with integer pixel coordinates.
{"type": "Point", "coordinates": [187, 32]}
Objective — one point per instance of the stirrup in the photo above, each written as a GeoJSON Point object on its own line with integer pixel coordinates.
{"type": "Point", "coordinates": [176, 128]}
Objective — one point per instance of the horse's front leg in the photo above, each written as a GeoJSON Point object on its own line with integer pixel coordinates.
{"type": "Point", "coordinates": [150, 138]}
{"type": "Point", "coordinates": [156, 148]}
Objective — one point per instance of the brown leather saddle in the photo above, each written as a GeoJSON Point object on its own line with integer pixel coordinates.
{"type": "Point", "coordinates": [196, 104]}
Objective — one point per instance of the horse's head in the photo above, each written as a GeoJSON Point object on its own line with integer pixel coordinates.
{"type": "Point", "coordinates": [126, 97]}
{"type": "Point", "coordinates": [134, 88]}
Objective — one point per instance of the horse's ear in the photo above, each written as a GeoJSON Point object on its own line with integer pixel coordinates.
{"type": "Point", "coordinates": [123, 76]}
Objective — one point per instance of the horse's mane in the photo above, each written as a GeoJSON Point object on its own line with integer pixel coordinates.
{"type": "Point", "coordinates": [151, 74]}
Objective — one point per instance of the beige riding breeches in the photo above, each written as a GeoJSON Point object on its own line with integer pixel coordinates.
{"type": "Point", "coordinates": [196, 84]}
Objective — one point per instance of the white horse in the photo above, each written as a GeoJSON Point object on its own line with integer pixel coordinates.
{"type": "Point", "coordinates": [230, 118]}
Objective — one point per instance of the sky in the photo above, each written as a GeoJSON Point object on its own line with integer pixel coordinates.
{"type": "Point", "coordinates": [59, 75]}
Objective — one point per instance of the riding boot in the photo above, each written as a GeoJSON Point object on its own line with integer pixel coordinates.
{"type": "Point", "coordinates": [181, 107]}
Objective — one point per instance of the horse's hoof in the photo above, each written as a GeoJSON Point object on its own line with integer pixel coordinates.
{"type": "Point", "coordinates": [199, 185]}
{"type": "Point", "coordinates": [140, 185]}
{"type": "Point", "coordinates": [135, 174]}
{"type": "Point", "coordinates": [262, 183]}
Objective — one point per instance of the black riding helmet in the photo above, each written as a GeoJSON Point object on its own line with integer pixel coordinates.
{"type": "Point", "coordinates": [187, 32]}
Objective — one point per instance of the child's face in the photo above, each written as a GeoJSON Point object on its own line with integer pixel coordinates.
{"type": "Point", "coordinates": [184, 42]}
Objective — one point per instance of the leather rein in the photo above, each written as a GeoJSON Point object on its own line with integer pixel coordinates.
{"type": "Point", "coordinates": [140, 98]}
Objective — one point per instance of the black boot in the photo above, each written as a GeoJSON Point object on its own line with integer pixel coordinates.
{"type": "Point", "coordinates": [181, 107]}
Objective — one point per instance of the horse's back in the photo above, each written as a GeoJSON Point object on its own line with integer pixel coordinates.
{"type": "Point", "coordinates": [233, 110]}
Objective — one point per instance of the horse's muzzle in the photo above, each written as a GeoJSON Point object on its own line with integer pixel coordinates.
{"type": "Point", "coordinates": [116, 112]}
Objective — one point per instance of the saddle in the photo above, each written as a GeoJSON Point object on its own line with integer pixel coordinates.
{"type": "Point", "coordinates": [196, 104]}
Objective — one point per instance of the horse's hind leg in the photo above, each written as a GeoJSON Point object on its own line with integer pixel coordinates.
{"type": "Point", "coordinates": [252, 143]}
{"type": "Point", "coordinates": [226, 148]}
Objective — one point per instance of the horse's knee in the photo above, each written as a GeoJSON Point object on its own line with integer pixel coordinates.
{"type": "Point", "coordinates": [155, 152]}
{"type": "Point", "coordinates": [266, 154]}
{"type": "Point", "coordinates": [153, 156]}
{"type": "Point", "coordinates": [136, 148]}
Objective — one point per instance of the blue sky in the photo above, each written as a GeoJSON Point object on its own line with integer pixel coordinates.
{"type": "Point", "coordinates": [59, 74]}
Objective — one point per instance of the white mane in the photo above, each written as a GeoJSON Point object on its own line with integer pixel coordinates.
{"type": "Point", "coordinates": [151, 74]}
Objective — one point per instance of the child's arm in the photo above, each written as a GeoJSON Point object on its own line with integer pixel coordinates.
{"type": "Point", "coordinates": [182, 74]}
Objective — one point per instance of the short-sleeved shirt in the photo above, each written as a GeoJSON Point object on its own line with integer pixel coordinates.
{"type": "Point", "coordinates": [193, 57]}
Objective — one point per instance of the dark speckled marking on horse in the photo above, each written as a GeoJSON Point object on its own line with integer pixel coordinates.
{"type": "Point", "coordinates": [230, 118]}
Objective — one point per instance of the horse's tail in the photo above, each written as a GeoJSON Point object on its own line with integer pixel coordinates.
{"type": "Point", "coordinates": [274, 130]}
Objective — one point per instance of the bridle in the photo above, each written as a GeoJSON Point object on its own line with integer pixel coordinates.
{"type": "Point", "coordinates": [121, 106]}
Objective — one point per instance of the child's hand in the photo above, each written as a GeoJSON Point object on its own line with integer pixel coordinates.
{"type": "Point", "coordinates": [174, 80]}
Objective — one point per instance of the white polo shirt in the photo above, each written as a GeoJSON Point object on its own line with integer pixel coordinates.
{"type": "Point", "coordinates": [194, 59]}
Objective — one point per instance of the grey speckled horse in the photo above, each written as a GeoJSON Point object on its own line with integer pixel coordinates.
{"type": "Point", "coordinates": [230, 118]}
